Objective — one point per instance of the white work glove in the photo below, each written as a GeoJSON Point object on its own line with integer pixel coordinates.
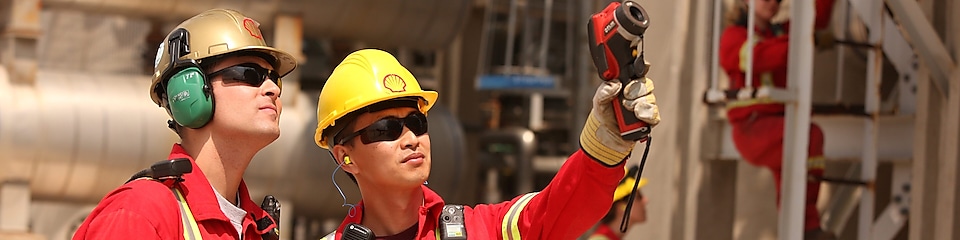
{"type": "Point", "coordinates": [600, 137]}
{"type": "Point", "coordinates": [639, 97]}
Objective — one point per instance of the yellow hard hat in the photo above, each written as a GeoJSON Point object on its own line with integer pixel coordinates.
{"type": "Point", "coordinates": [365, 77]}
{"type": "Point", "coordinates": [626, 184]}
{"type": "Point", "coordinates": [212, 33]}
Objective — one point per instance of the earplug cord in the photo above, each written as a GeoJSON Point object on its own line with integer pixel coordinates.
{"type": "Point", "coordinates": [633, 194]}
{"type": "Point", "coordinates": [353, 208]}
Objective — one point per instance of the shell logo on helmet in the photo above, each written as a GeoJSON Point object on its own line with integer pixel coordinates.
{"type": "Point", "coordinates": [252, 27]}
{"type": "Point", "coordinates": [394, 83]}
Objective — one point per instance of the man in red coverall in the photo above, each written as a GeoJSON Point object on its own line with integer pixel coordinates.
{"type": "Point", "coordinates": [218, 56]}
{"type": "Point", "coordinates": [758, 124]}
{"type": "Point", "coordinates": [371, 119]}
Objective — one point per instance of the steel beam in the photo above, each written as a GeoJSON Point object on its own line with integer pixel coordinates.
{"type": "Point", "coordinates": [925, 41]}
{"type": "Point", "coordinates": [894, 217]}
{"type": "Point", "coordinates": [945, 225]}
{"type": "Point", "coordinates": [873, 13]}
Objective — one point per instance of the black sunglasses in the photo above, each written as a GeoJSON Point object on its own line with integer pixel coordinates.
{"type": "Point", "coordinates": [389, 129]}
{"type": "Point", "coordinates": [249, 73]}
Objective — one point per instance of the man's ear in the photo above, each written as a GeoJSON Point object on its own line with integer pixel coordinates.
{"type": "Point", "coordinates": [341, 153]}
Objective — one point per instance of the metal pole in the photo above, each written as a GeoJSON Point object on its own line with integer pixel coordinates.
{"type": "Point", "coordinates": [841, 52]}
{"type": "Point", "coordinates": [569, 77]}
{"type": "Point", "coordinates": [797, 122]}
{"type": "Point", "coordinates": [715, 47]}
{"type": "Point", "coordinates": [872, 107]}
{"type": "Point", "coordinates": [584, 79]}
{"type": "Point", "coordinates": [482, 63]}
{"type": "Point", "coordinates": [751, 24]}
{"type": "Point", "coordinates": [545, 34]}
{"type": "Point", "coordinates": [511, 34]}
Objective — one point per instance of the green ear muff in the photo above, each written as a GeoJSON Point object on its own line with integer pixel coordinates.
{"type": "Point", "coordinates": [189, 97]}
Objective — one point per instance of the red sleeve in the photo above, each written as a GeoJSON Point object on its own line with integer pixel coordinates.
{"type": "Point", "coordinates": [577, 198]}
{"type": "Point", "coordinates": [768, 54]}
{"type": "Point", "coordinates": [824, 10]}
{"type": "Point", "coordinates": [119, 224]}
{"type": "Point", "coordinates": [137, 210]}
{"type": "Point", "coordinates": [731, 41]}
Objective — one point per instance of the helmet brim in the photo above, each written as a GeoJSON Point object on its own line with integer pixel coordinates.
{"type": "Point", "coordinates": [429, 98]}
{"type": "Point", "coordinates": [283, 63]}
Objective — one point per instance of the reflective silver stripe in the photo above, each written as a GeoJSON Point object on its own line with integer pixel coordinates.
{"type": "Point", "coordinates": [509, 227]}
{"type": "Point", "coordinates": [190, 229]}
{"type": "Point", "coordinates": [330, 236]}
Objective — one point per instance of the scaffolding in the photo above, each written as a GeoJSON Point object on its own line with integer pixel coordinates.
{"type": "Point", "coordinates": [892, 25]}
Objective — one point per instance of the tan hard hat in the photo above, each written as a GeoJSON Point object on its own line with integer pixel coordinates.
{"type": "Point", "coordinates": [217, 32]}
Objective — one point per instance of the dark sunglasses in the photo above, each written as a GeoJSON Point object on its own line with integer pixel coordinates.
{"type": "Point", "coordinates": [248, 73]}
{"type": "Point", "coordinates": [389, 129]}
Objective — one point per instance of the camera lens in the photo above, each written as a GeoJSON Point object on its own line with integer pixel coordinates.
{"type": "Point", "coordinates": [636, 13]}
{"type": "Point", "coordinates": [632, 18]}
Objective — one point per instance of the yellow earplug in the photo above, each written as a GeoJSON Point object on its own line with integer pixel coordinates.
{"type": "Point", "coordinates": [346, 160]}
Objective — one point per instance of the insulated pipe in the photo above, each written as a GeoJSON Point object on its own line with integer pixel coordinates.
{"type": "Point", "coordinates": [76, 136]}
{"type": "Point", "coordinates": [168, 9]}
{"type": "Point", "coordinates": [422, 24]}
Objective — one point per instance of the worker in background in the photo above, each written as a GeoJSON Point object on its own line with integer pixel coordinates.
{"type": "Point", "coordinates": [371, 117]}
{"type": "Point", "coordinates": [758, 124]}
{"type": "Point", "coordinates": [220, 83]}
{"type": "Point", "coordinates": [608, 227]}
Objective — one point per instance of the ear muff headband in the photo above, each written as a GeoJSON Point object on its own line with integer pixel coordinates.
{"type": "Point", "coordinates": [189, 96]}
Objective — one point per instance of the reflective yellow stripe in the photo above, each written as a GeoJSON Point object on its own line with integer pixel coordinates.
{"type": "Point", "coordinates": [745, 52]}
{"type": "Point", "coordinates": [816, 162]}
{"type": "Point", "coordinates": [598, 237]}
{"type": "Point", "coordinates": [190, 229]}
{"type": "Point", "coordinates": [749, 102]}
{"type": "Point", "coordinates": [330, 236]}
{"type": "Point", "coordinates": [509, 227]}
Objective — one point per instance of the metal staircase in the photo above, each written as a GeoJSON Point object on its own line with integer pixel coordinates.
{"type": "Point", "coordinates": [898, 32]}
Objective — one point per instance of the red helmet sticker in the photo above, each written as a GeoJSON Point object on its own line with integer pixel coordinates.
{"type": "Point", "coordinates": [394, 83]}
{"type": "Point", "coordinates": [252, 27]}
